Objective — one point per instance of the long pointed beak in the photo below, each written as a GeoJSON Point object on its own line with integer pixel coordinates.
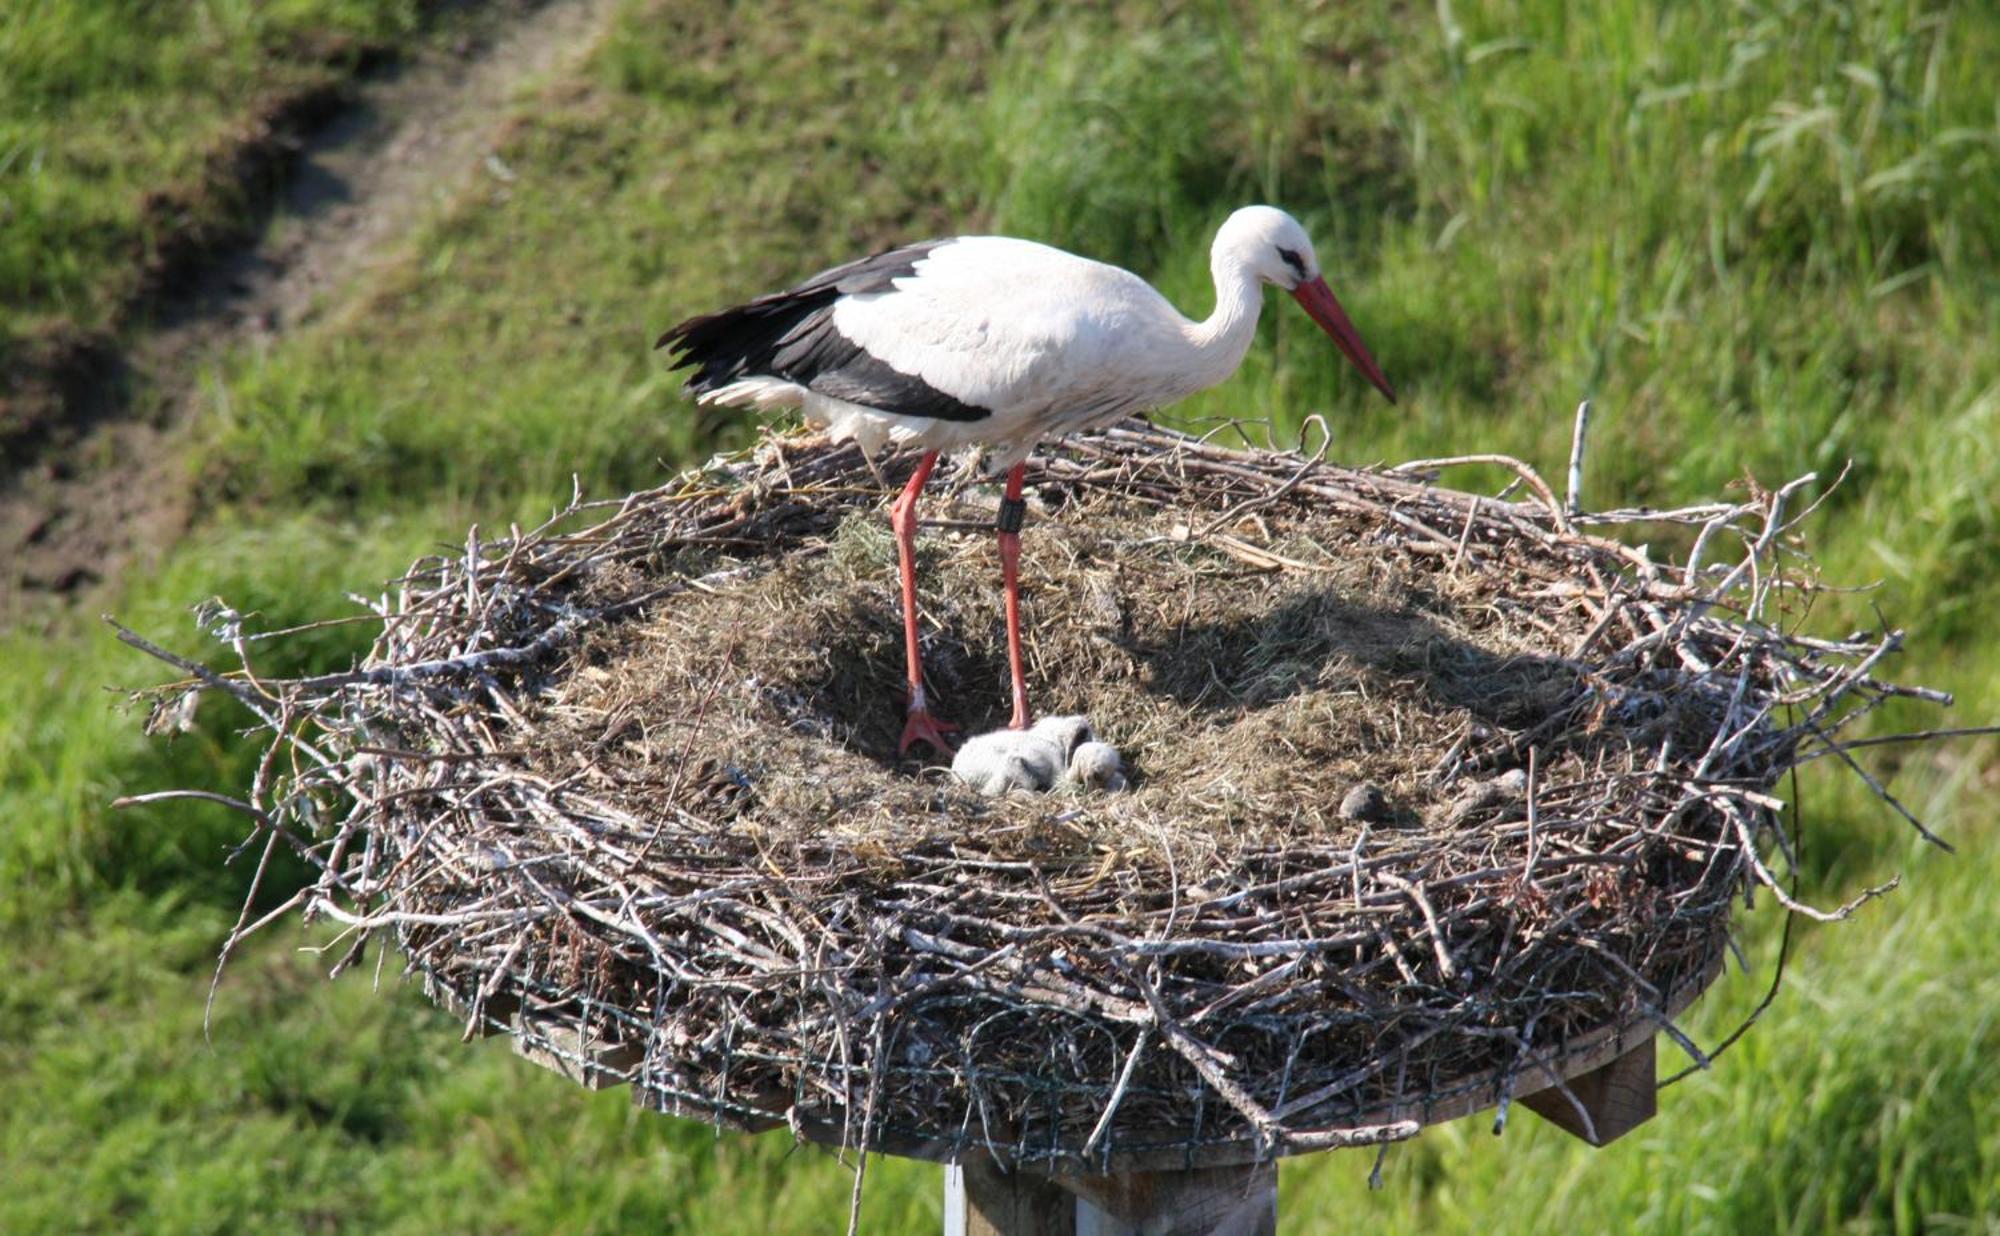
{"type": "Point", "coordinates": [1317, 300]}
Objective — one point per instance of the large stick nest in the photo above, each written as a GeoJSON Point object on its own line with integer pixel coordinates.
{"type": "Point", "coordinates": [626, 786]}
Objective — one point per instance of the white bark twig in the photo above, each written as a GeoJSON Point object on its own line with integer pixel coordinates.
{"type": "Point", "coordinates": [1573, 500]}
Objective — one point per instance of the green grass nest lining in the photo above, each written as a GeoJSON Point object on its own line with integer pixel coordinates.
{"type": "Point", "coordinates": [624, 786]}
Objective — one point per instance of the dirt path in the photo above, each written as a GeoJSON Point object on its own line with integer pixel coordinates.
{"type": "Point", "coordinates": [117, 492]}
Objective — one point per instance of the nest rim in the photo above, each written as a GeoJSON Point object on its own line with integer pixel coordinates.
{"type": "Point", "coordinates": [361, 849]}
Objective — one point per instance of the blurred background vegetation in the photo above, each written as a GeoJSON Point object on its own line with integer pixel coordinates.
{"type": "Point", "coordinates": [1762, 236]}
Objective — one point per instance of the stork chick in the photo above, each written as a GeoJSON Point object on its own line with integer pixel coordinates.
{"type": "Point", "coordinates": [1038, 758]}
{"type": "Point", "coordinates": [1097, 766]}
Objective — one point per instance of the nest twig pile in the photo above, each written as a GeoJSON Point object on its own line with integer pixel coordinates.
{"type": "Point", "coordinates": [1432, 792]}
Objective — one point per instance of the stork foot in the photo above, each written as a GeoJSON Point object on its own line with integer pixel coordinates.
{"type": "Point", "coordinates": [923, 727]}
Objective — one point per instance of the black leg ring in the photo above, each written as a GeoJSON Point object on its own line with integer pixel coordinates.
{"type": "Point", "coordinates": [1013, 511]}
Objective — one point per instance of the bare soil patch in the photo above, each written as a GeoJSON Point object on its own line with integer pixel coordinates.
{"type": "Point", "coordinates": [336, 177]}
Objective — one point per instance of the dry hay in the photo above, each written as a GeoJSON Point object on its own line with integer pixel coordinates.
{"type": "Point", "coordinates": [625, 786]}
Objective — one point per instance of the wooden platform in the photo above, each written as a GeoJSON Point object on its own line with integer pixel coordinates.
{"type": "Point", "coordinates": [1597, 1087]}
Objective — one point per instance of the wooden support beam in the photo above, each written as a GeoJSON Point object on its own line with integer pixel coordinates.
{"type": "Point", "coordinates": [590, 1062]}
{"type": "Point", "coordinates": [497, 1016]}
{"type": "Point", "coordinates": [1620, 1096]}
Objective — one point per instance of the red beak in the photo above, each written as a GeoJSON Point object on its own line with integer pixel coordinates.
{"type": "Point", "coordinates": [1317, 300]}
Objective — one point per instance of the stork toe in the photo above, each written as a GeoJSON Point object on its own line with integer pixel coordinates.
{"type": "Point", "coordinates": [921, 726]}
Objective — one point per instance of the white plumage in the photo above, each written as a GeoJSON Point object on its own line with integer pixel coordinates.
{"type": "Point", "coordinates": [990, 340]}
{"type": "Point", "coordinates": [1054, 751]}
{"type": "Point", "coordinates": [1042, 341]}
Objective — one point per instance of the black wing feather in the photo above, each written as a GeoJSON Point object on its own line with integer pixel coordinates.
{"type": "Point", "coordinates": [791, 335]}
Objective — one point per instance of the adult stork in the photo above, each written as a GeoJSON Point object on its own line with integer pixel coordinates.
{"type": "Point", "coordinates": [991, 340]}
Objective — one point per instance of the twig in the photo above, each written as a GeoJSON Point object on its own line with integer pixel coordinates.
{"type": "Point", "coordinates": [1415, 891]}
{"type": "Point", "coordinates": [1118, 1089]}
{"type": "Point", "coordinates": [1855, 744]}
{"type": "Point", "coordinates": [1573, 500]}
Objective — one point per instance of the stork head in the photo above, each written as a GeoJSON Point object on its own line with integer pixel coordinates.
{"type": "Point", "coordinates": [1272, 246]}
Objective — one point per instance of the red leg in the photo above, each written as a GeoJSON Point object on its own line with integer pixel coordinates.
{"type": "Point", "coordinates": [1011, 510]}
{"type": "Point", "coordinates": [920, 725]}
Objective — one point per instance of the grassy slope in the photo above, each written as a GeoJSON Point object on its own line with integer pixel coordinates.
{"type": "Point", "coordinates": [1757, 240]}
{"type": "Point", "coordinates": [114, 121]}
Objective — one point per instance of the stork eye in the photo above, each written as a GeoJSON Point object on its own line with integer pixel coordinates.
{"type": "Point", "coordinates": [1293, 260]}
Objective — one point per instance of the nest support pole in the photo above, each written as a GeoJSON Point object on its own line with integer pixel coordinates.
{"type": "Point", "coordinates": [982, 1200]}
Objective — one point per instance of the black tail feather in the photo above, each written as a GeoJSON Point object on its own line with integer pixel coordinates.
{"type": "Point", "coordinates": [791, 335]}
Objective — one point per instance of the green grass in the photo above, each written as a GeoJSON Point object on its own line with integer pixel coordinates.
{"type": "Point", "coordinates": [116, 124]}
{"type": "Point", "coordinates": [323, 1106]}
{"type": "Point", "coordinates": [1761, 239]}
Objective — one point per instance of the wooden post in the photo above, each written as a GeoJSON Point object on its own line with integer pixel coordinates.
{"type": "Point", "coordinates": [981, 1200]}
{"type": "Point", "coordinates": [1208, 1201]}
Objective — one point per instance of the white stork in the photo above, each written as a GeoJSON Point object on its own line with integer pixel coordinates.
{"type": "Point", "coordinates": [986, 339]}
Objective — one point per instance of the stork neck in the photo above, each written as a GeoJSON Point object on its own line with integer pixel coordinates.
{"type": "Point", "coordinates": [1224, 336]}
